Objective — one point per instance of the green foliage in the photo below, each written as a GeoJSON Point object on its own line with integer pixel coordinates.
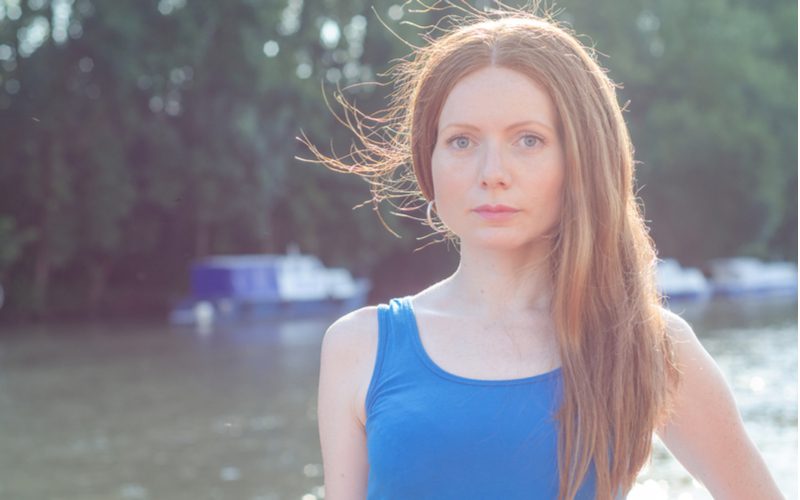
{"type": "Point", "coordinates": [12, 242]}
{"type": "Point", "coordinates": [712, 109]}
{"type": "Point", "coordinates": [138, 135]}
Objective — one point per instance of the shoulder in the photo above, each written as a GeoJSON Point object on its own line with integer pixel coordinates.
{"type": "Point", "coordinates": [351, 338]}
{"type": "Point", "coordinates": [699, 378]}
{"type": "Point", "coordinates": [677, 328]}
{"type": "Point", "coordinates": [349, 332]}
{"type": "Point", "coordinates": [348, 352]}
{"type": "Point", "coordinates": [688, 353]}
{"type": "Point", "coordinates": [344, 357]}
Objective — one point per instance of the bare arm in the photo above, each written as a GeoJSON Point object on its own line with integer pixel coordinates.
{"type": "Point", "coordinates": [343, 360]}
{"type": "Point", "coordinates": [706, 433]}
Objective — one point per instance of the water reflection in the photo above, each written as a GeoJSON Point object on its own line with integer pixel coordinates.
{"type": "Point", "coordinates": [144, 411]}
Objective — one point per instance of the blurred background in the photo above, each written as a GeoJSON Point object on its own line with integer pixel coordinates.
{"type": "Point", "coordinates": [142, 140]}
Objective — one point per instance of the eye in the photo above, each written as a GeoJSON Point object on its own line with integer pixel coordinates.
{"type": "Point", "coordinates": [461, 141]}
{"type": "Point", "coordinates": [530, 140]}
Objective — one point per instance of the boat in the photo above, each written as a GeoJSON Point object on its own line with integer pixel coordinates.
{"type": "Point", "coordinates": [681, 283]}
{"type": "Point", "coordinates": [751, 276]}
{"type": "Point", "coordinates": [267, 286]}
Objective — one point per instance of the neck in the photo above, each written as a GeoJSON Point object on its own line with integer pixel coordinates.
{"type": "Point", "coordinates": [493, 283]}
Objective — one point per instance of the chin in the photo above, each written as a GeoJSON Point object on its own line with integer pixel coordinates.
{"type": "Point", "coordinates": [501, 238]}
{"type": "Point", "coordinates": [496, 240]}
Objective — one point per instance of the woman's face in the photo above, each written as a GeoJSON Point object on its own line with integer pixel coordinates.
{"type": "Point", "coordinates": [497, 145]}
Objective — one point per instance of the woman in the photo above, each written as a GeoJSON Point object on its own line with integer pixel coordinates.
{"type": "Point", "coordinates": [542, 366]}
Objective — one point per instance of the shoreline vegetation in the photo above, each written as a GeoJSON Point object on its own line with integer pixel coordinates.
{"type": "Point", "coordinates": [140, 138]}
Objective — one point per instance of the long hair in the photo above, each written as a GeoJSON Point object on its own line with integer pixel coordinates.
{"type": "Point", "coordinates": [618, 364]}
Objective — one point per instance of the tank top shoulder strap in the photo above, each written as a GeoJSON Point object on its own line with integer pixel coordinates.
{"type": "Point", "coordinates": [395, 354]}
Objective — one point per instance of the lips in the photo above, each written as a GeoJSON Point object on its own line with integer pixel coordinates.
{"type": "Point", "coordinates": [496, 213]}
{"type": "Point", "coordinates": [495, 209]}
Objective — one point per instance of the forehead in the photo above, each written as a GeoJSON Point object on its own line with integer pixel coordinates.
{"type": "Point", "coordinates": [496, 97]}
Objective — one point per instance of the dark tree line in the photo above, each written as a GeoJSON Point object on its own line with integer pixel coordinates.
{"type": "Point", "coordinates": [137, 136]}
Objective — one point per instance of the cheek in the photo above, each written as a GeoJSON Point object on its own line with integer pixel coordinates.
{"type": "Point", "coordinates": [451, 181]}
{"type": "Point", "coordinates": [553, 181]}
{"type": "Point", "coordinates": [546, 188]}
{"type": "Point", "coordinates": [556, 191]}
{"type": "Point", "coordinates": [557, 182]}
{"type": "Point", "coordinates": [450, 167]}
{"type": "Point", "coordinates": [450, 186]}
{"type": "Point", "coordinates": [443, 174]}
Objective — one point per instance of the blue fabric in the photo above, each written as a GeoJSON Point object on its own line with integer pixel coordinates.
{"type": "Point", "coordinates": [432, 434]}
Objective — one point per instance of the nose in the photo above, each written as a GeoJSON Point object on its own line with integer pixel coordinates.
{"type": "Point", "coordinates": [494, 172]}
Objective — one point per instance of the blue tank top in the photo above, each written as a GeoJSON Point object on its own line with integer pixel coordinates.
{"type": "Point", "coordinates": [432, 434]}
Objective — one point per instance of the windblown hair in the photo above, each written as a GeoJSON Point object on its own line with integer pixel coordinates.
{"type": "Point", "coordinates": [618, 365]}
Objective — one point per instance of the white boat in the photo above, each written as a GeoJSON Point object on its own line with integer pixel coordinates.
{"type": "Point", "coordinates": [681, 283]}
{"type": "Point", "coordinates": [749, 275]}
{"type": "Point", "coordinates": [227, 287]}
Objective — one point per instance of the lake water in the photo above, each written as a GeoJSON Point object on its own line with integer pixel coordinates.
{"type": "Point", "coordinates": [146, 411]}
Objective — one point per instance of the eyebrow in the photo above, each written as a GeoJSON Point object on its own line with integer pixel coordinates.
{"type": "Point", "coordinates": [514, 125]}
